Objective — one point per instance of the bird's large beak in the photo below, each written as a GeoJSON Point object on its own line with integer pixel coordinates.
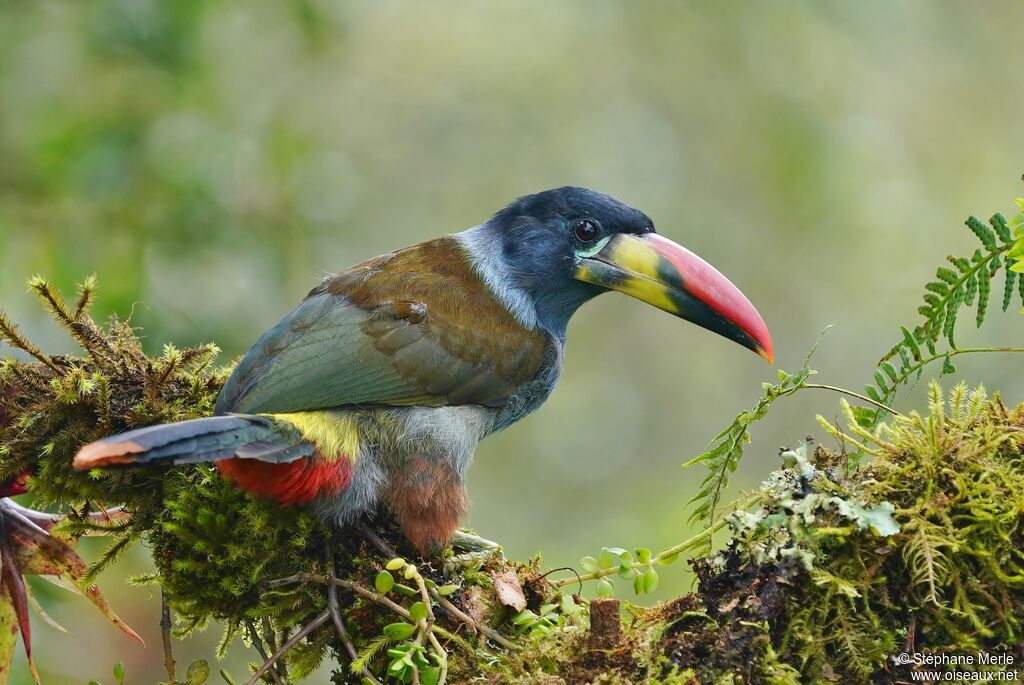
{"type": "Point", "coordinates": [656, 270]}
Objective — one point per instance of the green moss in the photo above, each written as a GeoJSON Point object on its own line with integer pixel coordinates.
{"type": "Point", "coordinates": [920, 544]}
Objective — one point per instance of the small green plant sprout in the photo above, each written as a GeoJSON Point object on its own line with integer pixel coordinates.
{"type": "Point", "coordinates": [725, 450]}
{"type": "Point", "coordinates": [637, 566]}
{"type": "Point", "coordinates": [119, 672]}
{"type": "Point", "coordinates": [198, 672]}
{"type": "Point", "coordinates": [549, 618]}
{"type": "Point", "coordinates": [617, 562]}
{"type": "Point", "coordinates": [414, 653]}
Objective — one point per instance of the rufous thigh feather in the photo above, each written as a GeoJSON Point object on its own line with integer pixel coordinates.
{"type": "Point", "coordinates": [429, 501]}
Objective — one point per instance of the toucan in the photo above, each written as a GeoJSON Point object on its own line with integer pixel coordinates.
{"type": "Point", "coordinates": [377, 387]}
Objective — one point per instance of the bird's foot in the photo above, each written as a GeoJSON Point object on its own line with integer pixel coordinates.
{"type": "Point", "coordinates": [478, 552]}
{"type": "Point", "coordinates": [470, 542]}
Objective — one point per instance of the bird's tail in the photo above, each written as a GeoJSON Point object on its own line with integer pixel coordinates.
{"type": "Point", "coordinates": [209, 439]}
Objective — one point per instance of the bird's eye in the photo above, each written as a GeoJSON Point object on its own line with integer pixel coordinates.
{"type": "Point", "coordinates": [586, 230]}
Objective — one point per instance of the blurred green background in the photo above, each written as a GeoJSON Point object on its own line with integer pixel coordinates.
{"type": "Point", "coordinates": [211, 161]}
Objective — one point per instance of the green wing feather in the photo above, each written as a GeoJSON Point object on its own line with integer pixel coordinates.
{"type": "Point", "coordinates": [393, 331]}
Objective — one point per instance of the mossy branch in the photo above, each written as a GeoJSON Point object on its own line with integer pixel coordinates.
{"type": "Point", "coordinates": [826, 567]}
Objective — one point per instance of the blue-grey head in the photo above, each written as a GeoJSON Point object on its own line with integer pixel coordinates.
{"type": "Point", "coordinates": [565, 246]}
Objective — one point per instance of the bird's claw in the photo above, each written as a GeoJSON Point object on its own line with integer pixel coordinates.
{"type": "Point", "coordinates": [471, 542]}
{"type": "Point", "coordinates": [478, 553]}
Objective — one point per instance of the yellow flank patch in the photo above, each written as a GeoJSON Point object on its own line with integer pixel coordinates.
{"type": "Point", "coordinates": [336, 435]}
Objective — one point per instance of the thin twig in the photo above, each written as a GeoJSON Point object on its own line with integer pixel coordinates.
{"type": "Point", "coordinates": [294, 640]}
{"type": "Point", "coordinates": [376, 541]}
{"type": "Point", "coordinates": [862, 398]}
{"type": "Point", "coordinates": [339, 624]}
{"type": "Point", "coordinates": [398, 609]}
{"type": "Point", "coordinates": [257, 642]}
{"type": "Point", "coordinates": [492, 634]}
{"type": "Point", "coordinates": [271, 640]}
{"type": "Point", "coordinates": [563, 568]}
{"type": "Point", "coordinates": [165, 633]}
{"type": "Point", "coordinates": [427, 625]}
{"type": "Point", "coordinates": [304, 577]}
{"type": "Point", "coordinates": [441, 655]}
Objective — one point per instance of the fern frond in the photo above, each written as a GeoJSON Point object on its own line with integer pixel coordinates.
{"type": "Point", "coordinates": [965, 282]}
{"type": "Point", "coordinates": [726, 449]}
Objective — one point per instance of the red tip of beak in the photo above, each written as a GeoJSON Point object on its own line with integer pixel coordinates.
{"type": "Point", "coordinates": [708, 285]}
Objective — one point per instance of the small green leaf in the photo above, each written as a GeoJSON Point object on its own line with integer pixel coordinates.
{"type": "Point", "coordinates": [524, 617]}
{"type": "Point", "coordinates": [119, 672]}
{"type": "Point", "coordinates": [605, 589]}
{"type": "Point", "coordinates": [1011, 277]}
{"type": "Point", "coordinates": [947, 366]}
{"type": "Point", "coordinates": [963, 265]}
{"type": "Point", "coordinates": [650, 581]}
{"type": "Point", "coordinates": [589, 564]}
{"type": "Point", "coordinates": [998, 222]}
{"type": "Point", "coordinates": [948, 275]}
{"type": "Point", "coordinates": [905, 359]}
{"type": "Point", "coordinates": [643, 555]}
{"type": "Point", "coordinates": [984, 233]}
{"type": "Point", "coordinates": [864, 416]}
{"type": "Point", "coordinates": [880, 381]}
{"type": "Point", "coordinates": [446, 590]}
{"type": "Point", "coordinates": [911, 342]}
{"type": "Point", "coordinates": [430, 676]}
{"type": "Point", "coordinates": [399, 631]}
{"type": "Point", "coordinates": [610, 557]}
{"type": "Point", "coordinates": [418, 611]}
{"type": "Point", "coordinates": [384, 582]}
{"type": "Point", "coordinates": [198, 672]}
{"type": "Point", "coordinates": [395, 564]}
{"type": "Point", "coordinates": [890, 371]}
